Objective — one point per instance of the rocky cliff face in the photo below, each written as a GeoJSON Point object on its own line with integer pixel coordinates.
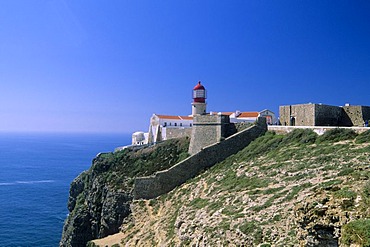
{"type": "Point", "coordinates": [95, 211]}
{"type": "Point", "coordinates": [100, 198]}
{"type": "Point", "coordinates": [292, 190]}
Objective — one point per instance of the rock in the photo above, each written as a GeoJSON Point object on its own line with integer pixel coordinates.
{"type": "Point", "coordinates": [96, 211]}
{"type": "Point", "coordinates": [99, 199]}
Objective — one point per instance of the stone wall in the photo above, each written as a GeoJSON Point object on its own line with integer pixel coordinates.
{"type": "Point", "coordinates": [278, 129]}
{"type": "Point", "coordinates": [304, 114]}
{"type": "Point", "coordinates": [323, 115]}
{"type": "Point", "coordinates": [164, 181]}
{"type": "Point", "coordinates": [172, 133]}
{"type": "Point", "coordinates": [207, 129]}
{"type": "Point", "coordinates": [357, 115]}
{"type": "Point", "coordinates": [366, 113]}
{"type": "Point", "coordinates": [297, 115]}
{"type": "Point", "coordinates": [327, 115]}
{"type": "Point", "coordinates": [353, 115]}
{"type": "Point", "coordinates": [284, 114]}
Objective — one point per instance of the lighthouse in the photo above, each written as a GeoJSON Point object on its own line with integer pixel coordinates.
{"type": "Point", "coordinates": [198, 106]}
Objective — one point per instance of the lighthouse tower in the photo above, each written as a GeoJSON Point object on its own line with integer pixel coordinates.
{"type": "Point", "coordinates": [198, 106]}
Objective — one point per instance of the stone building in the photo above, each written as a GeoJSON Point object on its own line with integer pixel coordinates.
{"type": "Point", "coordinates": [207, 130]}
{"type": "Point", "coordinates": [324, 115]}
{"type": "Point", "coordinates": [164, 127]}
{"type": "Point", "coordinates": [251, 117]}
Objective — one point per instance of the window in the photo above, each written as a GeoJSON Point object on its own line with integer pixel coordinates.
{"type": "Point", "coordinates": [180, 124]}
{"type": "Point", "coordinates": [175, 124]}
{"type": "Point", "coordinates": [200, 93]}
{"type": "Point", "coordinates": [191, 124]}
{"type": "Point", "coordinates": [165, 124]}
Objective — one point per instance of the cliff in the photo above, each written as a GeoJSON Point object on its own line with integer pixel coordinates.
{"type": "Point", "coordinates": [298, 189]}
{"type": "Point", "coordinates": [99, 199]}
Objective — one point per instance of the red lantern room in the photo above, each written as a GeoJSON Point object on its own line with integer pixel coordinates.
{"type": "Point", "coordinates": [199, 93]}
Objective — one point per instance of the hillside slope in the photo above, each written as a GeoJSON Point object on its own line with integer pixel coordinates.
{"type": "Point", "coordinates": [292, 190]}
{"type": "Point", "coordinates": [99, 199]}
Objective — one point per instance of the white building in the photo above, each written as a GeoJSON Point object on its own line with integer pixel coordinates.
{"type": "Point", "coordinates": [269, 115]}
{"type": "Point", "coordinates": [163, 127]}
{"type": "Point", "coordinates": [139, 138]}
{"type": "Point", "coordinates": [250, 117]}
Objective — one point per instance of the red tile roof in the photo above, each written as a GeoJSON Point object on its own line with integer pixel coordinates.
{"type": "Point", "coordinates": [186, 117]}
{"type": "Point", "coordinates": [227, 113]}
{"type": "Point", "coordinates": [248, 114]}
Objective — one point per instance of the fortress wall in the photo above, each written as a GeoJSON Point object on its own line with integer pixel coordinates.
{"type": "Point", "coordinates": [366, 113]}
{"type": "Point", "coordinates": [172, 133]}
{"type": "Point", "coordinates": [357, 115]}
{"type": "Point", "coordinates": [165, 181]}
{"type": "Point", "coordinates": [207, 129]}
{"type": "Point", "coordinates": [284, 114]}
{"type": "Point", "coordinates": [302, 113]}
{"type": "Point", "coordinates": [324, 115]}
{"type": "Point", "coordinates": [353, 115]}
{"type": "Point", "coordinates": [318, 129]}
{"type": "Point", "coordinates": [327, 115]}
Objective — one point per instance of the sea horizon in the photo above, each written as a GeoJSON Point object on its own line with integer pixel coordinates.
{"type": "Point", "coordinates": [36, 171]}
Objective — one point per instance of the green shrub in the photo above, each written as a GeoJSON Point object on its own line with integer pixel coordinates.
{"type": "Point", "coordinates": [346, 171]}
{"type": "Point", "coordinates": [366, 189]}
{"type": "Point", "coordinates": [183, 156]}
{"type": "Point", "coordinates": [252, 229]}
{"type": "Point", "coordinates": [365, 194]}
{"type": "Point", "coordinates": [363, 137]}
{"type": "Point", "coordinates": [118, 169]}
{"type": "Point", "coordinates": [336, 135]}
{"type": "Point", "coordinates": [265, 245]}
{"type": "Point", "coordinates": [295, 190]}
{"type": "Point", "coordinates": [356, 232]}
{"type": "Point", "coordinates": [328, 185]}
{"type": "Point", "coordinates": [300, 136]}
{"type": "Point", "coordinates": [199, 203]}
{"type": "Point", "coordinates": [248, 228]}
{"type": "Point", "coordinates": [262, 145]}
{"type": "Point", "coordinates": [277, 217]}
{"type": "Point", "coordinates": [345, 193]}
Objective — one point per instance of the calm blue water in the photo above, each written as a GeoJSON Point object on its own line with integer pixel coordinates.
{"type": "Point", "coordinates": [35, 173]}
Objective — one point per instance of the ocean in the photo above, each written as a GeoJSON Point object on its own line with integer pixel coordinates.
{"type": "Point", "coordinates": [36, 170]}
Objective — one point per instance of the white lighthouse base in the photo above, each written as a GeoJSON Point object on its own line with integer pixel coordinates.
{"type": "Point", "coordinates": [198, 108]}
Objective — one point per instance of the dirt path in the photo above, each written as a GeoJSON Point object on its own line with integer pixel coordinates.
{"type": "Point", "coordinates": [110, 240]}
{"type": "Point", "coordinates": [154, 219]}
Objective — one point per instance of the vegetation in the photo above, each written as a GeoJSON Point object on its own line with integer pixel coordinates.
{"type": "Point", "coordinates": [363, 137]}
{"type": "Point", "coordinates": [251, 198]}
{"type": "Point", "coordinates": [338, 134]}
{"type": "Point", "coordinates": [356, 232]}
{"type": "Point", "coordinates": [345, 192]}
{"type": "Point", "coordinates": [119, 168]}
{"type": "Point", "coordinates": [116, 172]}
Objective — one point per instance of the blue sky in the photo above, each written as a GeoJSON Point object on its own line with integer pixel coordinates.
{"type": "Point", "coordinates": [107, 66]}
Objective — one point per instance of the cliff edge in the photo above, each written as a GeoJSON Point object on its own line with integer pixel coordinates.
{"type": "Point", "coordinates": [99, 199]}
{"type": "Point", "coordinates": [298, 189]}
